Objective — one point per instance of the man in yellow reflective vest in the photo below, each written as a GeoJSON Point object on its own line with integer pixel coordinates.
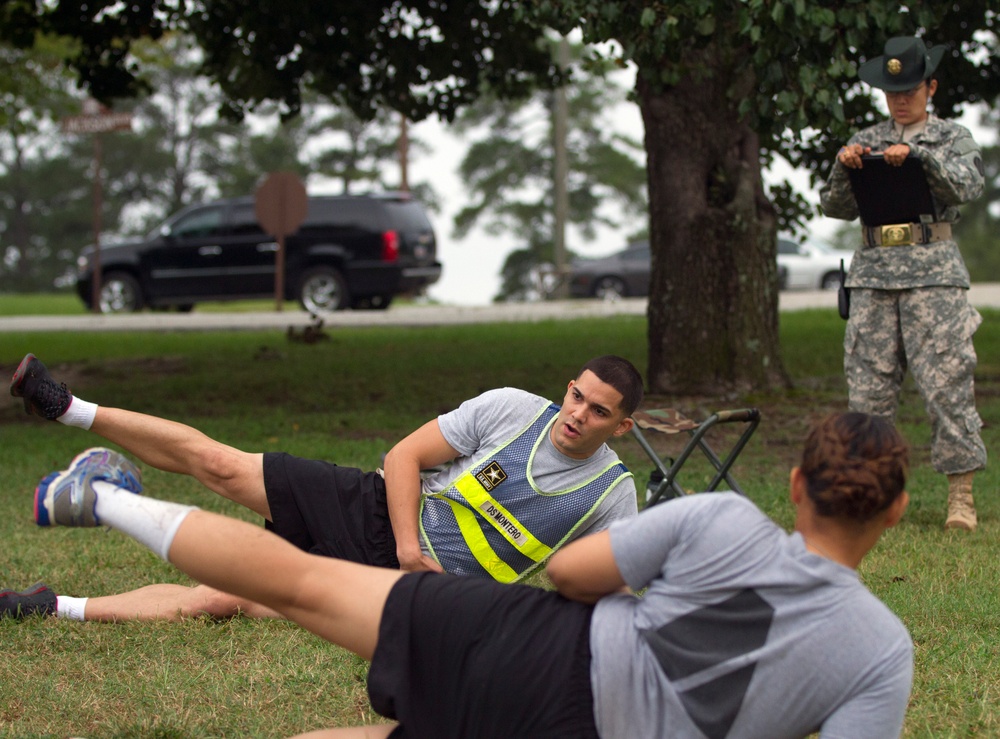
{"type": "Point", "coordinates": [517, 478]}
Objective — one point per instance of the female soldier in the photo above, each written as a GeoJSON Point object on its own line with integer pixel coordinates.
{"type": "Point", "coordinates": [909, 306]}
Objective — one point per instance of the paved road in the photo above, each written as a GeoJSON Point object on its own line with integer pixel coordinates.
{"type": "Point", "coordinates": [981, 295]}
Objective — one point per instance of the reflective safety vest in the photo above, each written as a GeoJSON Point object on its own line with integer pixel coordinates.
{"type": "Point", "coordinates": [494, 521]}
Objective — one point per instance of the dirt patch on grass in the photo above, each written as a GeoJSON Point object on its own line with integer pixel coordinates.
{"type": "Point", "coordinates": [81, 374]}
{"type": "Point", "coordinates": [785, 418]}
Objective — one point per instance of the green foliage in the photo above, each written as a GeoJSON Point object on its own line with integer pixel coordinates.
{"type": "Point", "coordinates": [35, 220]}
{"type": "Point", "coordinates": [177, 129]}
{"type": "Point", "coordinates": [803, 56]}
{"type": "Point", "coordinates": [47, 214]}
{"type": "Point", "coordinates": [35, 92]}
{"type": "Point", "coordinates": [509, 171]}
{"type": "Point", "coordinates": [34, 86]}
{"type": "Point", "coordinates": [418, 58]}
{"type": "Point", "coordinates": [101, 34]}
{"type": "Point", "coordinates": [367, 146]}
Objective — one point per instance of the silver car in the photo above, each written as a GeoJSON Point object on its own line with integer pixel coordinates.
{"type": "Point", "coordinates": [624, 274]}
{"type": "Point", "coordinates": [810, 266]}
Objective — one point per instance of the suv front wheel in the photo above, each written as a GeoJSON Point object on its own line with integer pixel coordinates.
{"type": "Point", "coordinates": [610, 287]}
{"type": "Point", "coordinates": [120, 293]}
{"type": "Point", "coordinates": [323, 289]}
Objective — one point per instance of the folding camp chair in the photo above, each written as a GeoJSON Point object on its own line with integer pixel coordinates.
{"type": "Point", "coordinates": [663, 483]}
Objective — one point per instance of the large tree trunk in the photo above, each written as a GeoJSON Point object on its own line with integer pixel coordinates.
{"type": "Point", "coordinates": [713, 306]}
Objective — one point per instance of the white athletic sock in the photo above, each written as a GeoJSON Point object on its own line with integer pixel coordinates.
{"type": "Point", "coordinates": [71, 608]}
{"type": "Point", "coordinates": [150, 522]}
{"type": "Point", "coordinates": [80, 413]}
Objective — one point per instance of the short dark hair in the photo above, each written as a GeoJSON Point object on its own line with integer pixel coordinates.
{"type": "Point", "coordinates": [620, 374]}
{"type": "Point", "coordinates": [855, 466]}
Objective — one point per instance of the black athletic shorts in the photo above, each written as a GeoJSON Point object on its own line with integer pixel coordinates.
{"type": "Point", "coordinates": [329, 510]}
{"type": "Point", "coordinates": [467, 657]}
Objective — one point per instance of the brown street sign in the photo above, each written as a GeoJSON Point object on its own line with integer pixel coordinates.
{"type": "Point", "coordinates": [97, 123]}
{"type": "Point", "coordinates": [280, 205]}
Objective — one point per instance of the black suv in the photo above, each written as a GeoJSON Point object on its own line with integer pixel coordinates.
{"type": "Point", "coordinates": [351, 251]}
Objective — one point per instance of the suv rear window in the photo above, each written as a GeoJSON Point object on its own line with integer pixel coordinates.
{"type": "Point", "coordinates": [406, 215]}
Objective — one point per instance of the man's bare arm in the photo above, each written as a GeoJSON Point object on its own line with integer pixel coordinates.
{"type": "Point", "coordinates": [424, 448]}
{"type": "Point", "coordinates": [585, 570]}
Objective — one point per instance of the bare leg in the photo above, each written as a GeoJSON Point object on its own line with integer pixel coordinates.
{"type": "Point", "coordinates": [175, 447]}
{"type": "Point", "coordinates": [376, 731]}
{"type": "Point", "coordinates": [340, 601]}
{"type": "Point", "coordinates": [167, 602]}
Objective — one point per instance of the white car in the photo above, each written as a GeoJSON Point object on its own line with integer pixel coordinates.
{"type": "Point", "coordinates": [810, 266]}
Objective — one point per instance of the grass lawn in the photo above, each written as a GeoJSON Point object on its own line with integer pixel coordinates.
{"type": "Point", "coordinates": [68, 304]}
{"type": "Point", "coordinates": [348, 400]}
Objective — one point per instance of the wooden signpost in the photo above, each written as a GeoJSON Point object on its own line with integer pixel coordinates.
{"type": "Point", "coordinates": [281, 204]}
{"type": "Point", "coordinates": [97, 119]}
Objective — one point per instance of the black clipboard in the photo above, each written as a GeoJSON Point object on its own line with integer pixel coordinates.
{"type": "Point", "coordinates": [888, 194]}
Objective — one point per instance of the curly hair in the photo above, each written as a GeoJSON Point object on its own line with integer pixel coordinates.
{"type": "Point", "coordinates": [855, 466]}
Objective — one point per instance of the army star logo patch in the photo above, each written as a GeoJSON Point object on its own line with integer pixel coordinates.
{"type": "Point", "coordinates": [491, 475]}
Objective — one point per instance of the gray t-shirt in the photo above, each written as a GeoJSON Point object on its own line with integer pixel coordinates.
{"type": "Point", "coordinates": [741, 633]}
{"type": "Point", "coordinates": [482, 423]}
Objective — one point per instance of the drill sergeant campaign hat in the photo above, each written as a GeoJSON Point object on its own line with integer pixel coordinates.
{"type": "Point", "coordinates": [904, 64]}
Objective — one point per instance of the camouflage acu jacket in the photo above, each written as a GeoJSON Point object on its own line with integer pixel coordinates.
{"type": "Point", "coordinates": [954, 169]}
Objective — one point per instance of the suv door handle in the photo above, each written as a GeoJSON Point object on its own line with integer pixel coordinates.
{"type": "Point", "coordinates": [269, 246]}
{"type": "Point", "coordinates": [209, 251]}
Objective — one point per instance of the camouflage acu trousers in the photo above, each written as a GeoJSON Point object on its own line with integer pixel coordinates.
{"type": "Point", "coordinates": [927, 331]}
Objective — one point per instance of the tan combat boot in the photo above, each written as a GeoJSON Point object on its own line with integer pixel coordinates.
{"type": "Point", "coordinates": [961, 509]}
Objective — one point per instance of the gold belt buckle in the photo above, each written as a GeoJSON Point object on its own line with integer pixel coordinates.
{"type": "Point", "coordinates": [897, 234]}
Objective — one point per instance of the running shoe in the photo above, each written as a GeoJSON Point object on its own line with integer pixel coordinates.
{"type": "Point", "coordinates": [36, 599]}
{"type": "Point", "coordinates": [68, 498]}
{"type": "Point", "coordinates": [42, 395]}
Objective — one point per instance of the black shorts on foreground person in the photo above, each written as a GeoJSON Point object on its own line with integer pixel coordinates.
{"type": "Point", "coordinates": [439, 630]}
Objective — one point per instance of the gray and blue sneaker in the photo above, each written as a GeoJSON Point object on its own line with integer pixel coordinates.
{"type": "Point", "coordinates": [42, 395]}
{"type": "Point", "coordinates": [68, 498]}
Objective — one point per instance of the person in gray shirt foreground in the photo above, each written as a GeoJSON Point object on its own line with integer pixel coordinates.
{"type": "Point", "coordinates": [743, 630]}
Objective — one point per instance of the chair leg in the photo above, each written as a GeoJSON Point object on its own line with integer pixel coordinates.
{"type": "Point", "coordinates": [724, 466]}
{"type": "Point", "coordinates": [669, 484]}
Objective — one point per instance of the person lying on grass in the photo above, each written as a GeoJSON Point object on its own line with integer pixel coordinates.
{"type": "Point", "coordinates": [743, 630]}
{"type": "Point", "coordinates": [525, 476]}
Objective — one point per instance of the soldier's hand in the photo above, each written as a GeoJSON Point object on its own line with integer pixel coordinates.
{"type": "Point", "coordinates": [850, 155]}
{"type": "Point", "coordinates": [419, 563]}
{"type": "Point", "coordinates": [896, 154]}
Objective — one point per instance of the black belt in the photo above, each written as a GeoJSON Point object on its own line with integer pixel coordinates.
{"type": "Point", "coordinates": [905, 234]}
